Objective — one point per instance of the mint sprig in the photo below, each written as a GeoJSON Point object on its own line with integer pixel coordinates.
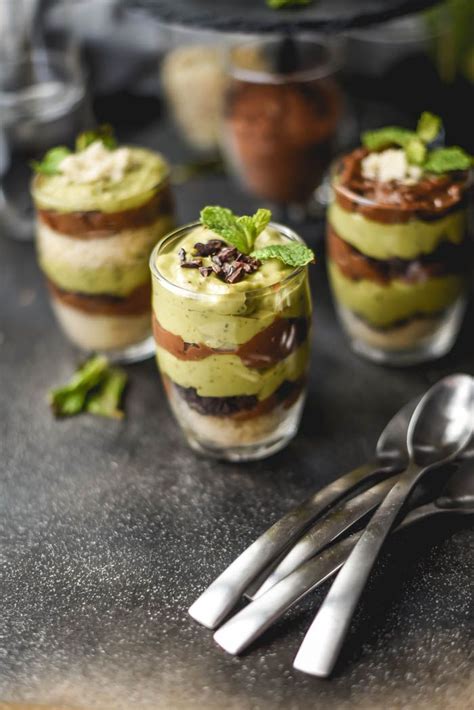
{"type": "Point", "coordinates": [51, 161]}
{"type": "Point", "coordinates": [241, 232]}
{"type": "Point", "coordinates": [105, 402]}
{"type": "Point", "coordinates": [416, 145]}
{"type": "Point", "coordinates": [95, 387]}
{"type": "Point", "coordinates": [443, 160]}
{"type": "Point", "coordinates": [385, 137]}
{"type": "Point", "coordinates": [429, 126]}
{"type": "Point", "coordinates": [294, 254]}
{"type": "Point", "coordinates": [104, 133]}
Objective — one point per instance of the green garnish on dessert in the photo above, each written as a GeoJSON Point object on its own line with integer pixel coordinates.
{"type": "Point", "coordinates": [241, 233]}
{"type": "Point", "coordinates": [416, 145]}
{"type": "Point", "coordinates": [51, 162]}
{"type": "Point", "coordinates": [95, 387]}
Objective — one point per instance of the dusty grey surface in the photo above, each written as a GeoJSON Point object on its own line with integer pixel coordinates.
{"type": "Point", "coordinates": [108, 531]}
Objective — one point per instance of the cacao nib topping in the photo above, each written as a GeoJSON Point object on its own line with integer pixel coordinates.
{"type": "Point", "coordinates": [209, 248]}
{"type": "Point", "coordinates": [193, 264]}
{"type": "Point", "coordinates": [226, 262]}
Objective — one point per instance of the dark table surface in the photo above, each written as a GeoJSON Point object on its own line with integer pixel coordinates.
{"type": "Point", "coordinates": [109, 530]}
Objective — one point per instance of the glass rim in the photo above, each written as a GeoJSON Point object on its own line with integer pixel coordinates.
{"type": "Point", "coordinates": [197, 295]}
{"type": "Point", "coordinates": [367, 201]}
{"type": "Point", "coordinates": [325, 69]}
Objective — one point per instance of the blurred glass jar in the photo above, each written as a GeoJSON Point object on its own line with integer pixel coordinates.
{"type": "Point", "coordinates": [281, 115]}
{"type": "Point", "coordinates": [194, 83]}
{"type": "Point", "coordinates": [399, 260]}
{"type": "Point", "coordinates": [43, 101]}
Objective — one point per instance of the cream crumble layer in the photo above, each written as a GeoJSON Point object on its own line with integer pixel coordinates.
{"type": "Point", "coordinates": [115, 265]}
{"type": "Point", "coordinates": [101, 332]}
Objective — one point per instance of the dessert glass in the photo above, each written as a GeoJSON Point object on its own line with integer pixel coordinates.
{"type": "Point", "coordinates": [233, 364]}
{"type": "Point", "coordinates": [279, 123]}
{"type": "Point", "coordinates": [398, 261]}
{"type": "Point", "coordinates": [96, 263]}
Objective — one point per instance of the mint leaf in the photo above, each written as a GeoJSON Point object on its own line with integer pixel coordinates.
{"type": "Point", "coordinates": [384, 137]}
{"type": "Point", "coordinates": [104, 133]}
{"type": "Point", "coordinates": [429, 126]}
{"type": "Point", "coordinates": [416, 151]}
{"type": "Point", "coordinates": [277, 4]}
{"type": "Point", "coordinates": [241, 232]}
{"type": "Point", "coordinates": [294, 254]}
{"type": "Point", "coordinates": [442, 160]}
{"type": "Point", "coordinates": [261, 220]}
{"type": "Point", "coordinates": [106, 401]}
{"type": "Point", "coordinates": [222, 221]}
{"type": "Point", "coordinates": [71, 398]}
{"type": "Point", "coordinates": [51, 161]}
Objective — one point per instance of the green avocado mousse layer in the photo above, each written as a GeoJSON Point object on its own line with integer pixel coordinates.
{"type": "Point", "coordinates": [232, 312]}
{"type": "Point", "coordinates": [100, 210]}
{"type": "Point", "coordinates": [397, 240]}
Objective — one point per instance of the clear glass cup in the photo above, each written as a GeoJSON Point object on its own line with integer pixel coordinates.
{"type": "Point", "coordinates": [43, 103]}
{"type": "Point", "coordinates": [399, 277]}
{"type": "Point", "coordinates": [281, 114]}
{"type": "Point", "coordinates": [96, 268]}
{"type": "Point", "coordinates": [234, 365]}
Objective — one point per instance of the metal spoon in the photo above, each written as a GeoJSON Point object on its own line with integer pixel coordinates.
{"type": "Point", "coordinates": [439, 430]}
{"type": "Point", "coordinates": [220, 597]}
{"type": "Point", "coordinates": [338, 520]}
{"type": "Point", "coordinates": [251, 622]}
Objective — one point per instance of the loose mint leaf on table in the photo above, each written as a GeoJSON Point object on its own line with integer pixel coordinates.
{"type": "Point", "coordinates": [429, 126]}
{"type": "Point", "coordinates": [294, 254]}
{"type": "Point", "coordinates": [51, 161]}
{"type": "Point", "coordinates": [71, 398]}
{"type": "Point", "coordinates": [104, 134]}
{"type": "Point", "coordinates": [442, 160]}
{"type": "Point", "coordinates": [105, 402]}
{"type": "Point", "coordinates": [384, 137]}
{"type": "Point", "coordinates": [241, 232]}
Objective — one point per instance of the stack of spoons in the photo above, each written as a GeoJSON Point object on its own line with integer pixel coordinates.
{"type": "Point", "coordinates": [315, 540]}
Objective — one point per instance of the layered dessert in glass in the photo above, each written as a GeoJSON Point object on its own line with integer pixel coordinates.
{"type": "Point", "coordinates": [397, 243]}
{"type": "Point", "coordinates": [232, 337]}
{"type": "Point", "coordinates": [281, 114]}
{"type": "Point", "coordinates": [100, 211]}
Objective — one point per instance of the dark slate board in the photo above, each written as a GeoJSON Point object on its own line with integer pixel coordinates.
{"type": "Point", "coordinates": [108, 531]}
{"type": "Point", "coordinates": [255, 16]}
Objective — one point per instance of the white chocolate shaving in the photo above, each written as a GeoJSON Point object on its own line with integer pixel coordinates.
{"type": "Point", "coordinates": [390, 165]}
{"type": "Point", "coordinates": [96, 162]}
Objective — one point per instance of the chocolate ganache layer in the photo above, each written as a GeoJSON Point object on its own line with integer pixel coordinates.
{"type": "Point", "coordinates": [266, 348]}
{"type": "Point", "coordinates": [238, 407]}
{"type": "Point", "coordinates": [136, 303]}
{"type": "Point", "coordinates": [430, 198]}
{"type": "Point", "coordinates": [94, 225]}
{"type": "Point", "coordinates": [448, 258]}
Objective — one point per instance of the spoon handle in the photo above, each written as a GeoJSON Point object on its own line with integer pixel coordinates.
{"type": "Point", "coordinates": [320, 648]}
{"type": "Point", "coordinates": [249, 623]}
{"type": "Point", "coordinates": [222, 595]}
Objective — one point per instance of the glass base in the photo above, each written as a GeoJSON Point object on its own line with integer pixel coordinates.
{"type": "Point", "coordinates": [420, 339]}
{"type": "Point", "coordinates": [229, 439]}
{"type": "Point", "coordinates": [133, 353]}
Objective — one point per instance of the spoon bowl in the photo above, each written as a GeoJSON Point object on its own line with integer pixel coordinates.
{"type": "Point", "coordinates": [442, 423]}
